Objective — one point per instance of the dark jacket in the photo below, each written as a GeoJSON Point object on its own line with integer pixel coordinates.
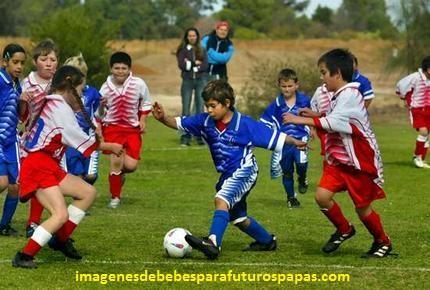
{"type": "Point", "coordinates": [189, 68]}
{"type": "Point", "coordinates": [219, 52]}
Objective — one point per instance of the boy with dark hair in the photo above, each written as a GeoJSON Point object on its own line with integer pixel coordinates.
{"type": "Point", "coordinates": [230, 137]}
{"type": "Point", "coordinates": [289, 100]}
{"type": "Point", "coordinates": [128, 104]}
{"type": "Point", "coordinates": [353, 158]}
{"type": "Point", "coordinates": [415, 91]}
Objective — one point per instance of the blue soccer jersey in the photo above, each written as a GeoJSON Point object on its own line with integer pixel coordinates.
{"type": "Point", "coordinates": [91, 101]}
{"type": "Point", "coordinates": [272, 116]}
{"type": "Point", "coordinates": [9, 95]}
{"type": "Point", "coordinates": [232, 148]}
{"type": "Point", "coordinates": [365, 87]}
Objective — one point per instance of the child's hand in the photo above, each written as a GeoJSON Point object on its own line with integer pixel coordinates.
{"type": "Point", "coordinates": [103, 101]}
{"type": "Point", "coordinates": [307, 112]}
{"type": "Point", "coordinates": [117, 149]}
{"type": "Point", "coordinates": [158, 111]}
{"type": "Point", "coordinates": [26, 97]}
{"type": "Point", "coordinates": [288, 118]}
{"type": "Point", "coordinates": [142, 125]}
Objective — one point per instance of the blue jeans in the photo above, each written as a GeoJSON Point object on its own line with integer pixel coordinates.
{"type": "Point", "coordinates": [187, 88]}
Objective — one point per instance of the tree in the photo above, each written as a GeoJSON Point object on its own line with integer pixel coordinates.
{"type": "Point", "coordinates": [323, 15]}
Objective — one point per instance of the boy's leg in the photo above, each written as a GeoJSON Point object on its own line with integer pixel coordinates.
{"type": "Point", "coordinates": [9, 208]}
{"type": "Point", "coordinates": [301, 162]}
{"type": "Point", "coordinates": [287, 165]}
{"type": "Point", "coordinates": [116, 164]}
{"type": "Point", "coordinates": [421, 148]}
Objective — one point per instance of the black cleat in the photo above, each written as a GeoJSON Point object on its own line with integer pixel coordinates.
{"type": "Point", "coordinates": [259, 247]}
{"type": "Point", "coordinates": [67, 248]}
{"type": "Point", "coordinates": [204, 245]}
{"type": "Point", "coordinates": [303, 185]}
{"type": "Point", "coordinates": [7, 230]}
{"type": "Point", "coordinates": [29, 230]}
{"type": "Point", "coordinates": [293, 202]}
{"type": "Point", "coordinates": [378, 250]}
{"type": "Point", "coordinates": [336, 240]}
{"type": "Point", "coordinates": [22, 260]}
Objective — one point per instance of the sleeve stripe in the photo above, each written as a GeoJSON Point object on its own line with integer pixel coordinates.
{"type": "Point", "coordinates": [179, 123]}
{"type": "Point", "coordinates": [272, 139]}
{"type": "Point", "coordinates": [281, 142]}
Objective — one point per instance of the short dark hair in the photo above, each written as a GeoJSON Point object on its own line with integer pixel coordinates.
{"type": "Point", "coordinates": [120, 57]}
{"type": "Point", "coordinates": [11, 49]}
{"type": "Point", "coordinates": [425, 64]}
{"type": "Point", "coordinates": [287, 74]}
{"type": "Point", "coordinates": [45, 47]}
{"type": "Point", "coordinates": [219, 90]}
{"type": "Point", "coordinates": [339, 60]}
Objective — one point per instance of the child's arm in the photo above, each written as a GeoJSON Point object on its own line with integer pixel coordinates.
{"type": "Point", "coordinates": [160, 115]}
{"type": "Point", "coordinates": [117, 149]}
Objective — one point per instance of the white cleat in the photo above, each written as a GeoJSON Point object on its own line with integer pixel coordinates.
{"type": "Point", "coordinates": [426, 165]}
{"type": "Point", "coordinates": [418, 161]}
{"type": "Point", "coordinates": [114, 203]}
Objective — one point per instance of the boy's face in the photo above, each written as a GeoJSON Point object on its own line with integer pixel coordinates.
{"type": "Point", "coordinates": [222, 31]}
{"type": "Point", "coordinates": [288, 88]}
{"type": "Point", "coordinates": [15, 64]}
{"type": "Point", "coordinates": [331, 82]}
{"type": "Point", "coordinates": [46, 65]}
{"type": "Point", "coordinates": [120, 72]}
{"type": "Point", "coordinates": [217, 110]}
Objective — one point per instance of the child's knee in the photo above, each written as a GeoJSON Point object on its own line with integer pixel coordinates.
{"type": "Point", "coordinates": [13, 190]}
{"type": "Point", "coordinates": [221, 204]}
{"type": "Point", "coordinates": [288, 175]}
{"type": "Point", "coordinates": [61, 216]}
{"type": "Point", "coordinates": [364, 211]}
{"type": "Point", "coordinates": [242, 223]}
{"type": "Point", "coordinates": [322, 200]}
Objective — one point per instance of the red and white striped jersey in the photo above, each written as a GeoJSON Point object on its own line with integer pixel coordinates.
{"type": "Point", "coordinates": [38, 91]}
{"type": "Point", "coordinates": [415, 88]}
{"type": "Point", "coordinates": [126, 103]}
{"type": "Point", "coordinates": [57, 128]}
{"type": "Point", "coordinates": [320, 102]}
{"type": "Point", "coordinates": [350, 139]}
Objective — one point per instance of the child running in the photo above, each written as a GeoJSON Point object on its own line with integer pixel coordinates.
{"type": "Point", "coordinates": [289, 100]}
{"type": "Point", "coordinates": [415, 91]}
{"type": "Point", "coordinates": [231, 137]}
{"type": "Point", "coordinates": [353, 158]}
{"type": "Point", "coordinates": [10, 90]}
{"type": "Point", "coordinates": [55, 128]}
{"type": "Point", "coordinates": [128, 104]}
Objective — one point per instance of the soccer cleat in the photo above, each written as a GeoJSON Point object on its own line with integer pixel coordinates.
{"type": "Point", "coordinates": [7, 230]}
{"type": "Point", "coordinates": [418, 161]}
{"type": "Point", "coordinates": [185, 140]}
{"type": "Point", "coordinates": [67, 248]}
{"type": "Point", "coordinates": [378, 250]}
{"type": "Point", "coordinates": [303, 185]}
{"type": "Point", "coordinates": [204, 245]}
{"type": "Point", "coordinates": [426, 165]}
{"type": "Point", "coordinates": [114, 203]}
{"type": "Point", "coordinates": [293, 202]}
{"type": "Point", "coordinates": [336, 240]}
{"type": "Point", "coordinates": [257, 247]}
{"type": "Point", "coordinates": [29, 230]}
{"type": "Point", "coordinates": [22, 260]}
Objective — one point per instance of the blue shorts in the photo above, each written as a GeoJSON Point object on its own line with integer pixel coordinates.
{"type": "Point", "coordinates": [290, 156]}
{"type": "Point", "coordinates": [78, 164]}
{"type": "Point", "coordinates": [10, 162]}
{"type": "Point", "coordinates": [235, 189]}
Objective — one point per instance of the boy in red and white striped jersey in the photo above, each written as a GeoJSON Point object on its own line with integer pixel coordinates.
{"type": "Point", "coordinates": [353, 158]}
{"type": "Point", "coordinates": [127, 106]}
{"type": "Point", "coordinates": [414, 89]}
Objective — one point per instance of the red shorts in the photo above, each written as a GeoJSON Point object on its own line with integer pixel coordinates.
{"type": "Point", "coordinates": [359, 184]}
{"type": "Point", "coordinates": [38, 170]}
{"type": "Point", "coordinates": [420, 117]}
{"type": "Point", "coordinates": [129, 138]}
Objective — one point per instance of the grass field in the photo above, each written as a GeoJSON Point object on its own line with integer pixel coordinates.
{"type": "Point", "coordinates": [174, 187]}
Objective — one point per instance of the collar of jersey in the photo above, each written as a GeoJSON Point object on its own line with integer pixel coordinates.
{"type": "Point", "coordinates": [233, 125]}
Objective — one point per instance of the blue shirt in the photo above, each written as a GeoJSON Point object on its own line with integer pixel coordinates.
{"type": "Point", "coordinates": [365, 87]}
{"type": "Point", "coordinates": [91, 101]}
{"type": "Point", "coordinates": [232, 148]}
{"type": "Point", "coordinates": [10, 92]}
{"type": "Point", "coordinates": [272, 116]}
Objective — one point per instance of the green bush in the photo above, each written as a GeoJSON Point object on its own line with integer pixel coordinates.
{"type": "Point", "coordinates": [262, 87]}
{"type": "Point", "coordinates": [246, 33]}
{"type": "Point", "coordinates": [75, 30]}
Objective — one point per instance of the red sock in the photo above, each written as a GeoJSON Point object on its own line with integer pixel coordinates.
{"type": "Point", "coordinates": [115, 185]}
{"type": "Point", "coordinates": [36, 210]}
{"type": "Point", "coordinates": [66, 231]}
{"type": "Point", "coordinates": [335, 215]}
{"type": "Point", "coordinates": [419, 148]}
{"type": "Point", "coordinates": [32, 248]}
{"type": "Point", "coordinates": [425, 149]}
{"type": "Point", "coordinates": [373, 224]}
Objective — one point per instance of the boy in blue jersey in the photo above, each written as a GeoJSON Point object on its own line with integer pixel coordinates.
{"type": "Point", "coordinates": [365, 87]}
{"type": "Point", "coordinates": [76, 163]}
{"type": "Point", "coordinates": [289, 101]}
{"type": "Point", "coordinates": [231, 137]}
{"type": "Point", "coordinates": [10, 91]}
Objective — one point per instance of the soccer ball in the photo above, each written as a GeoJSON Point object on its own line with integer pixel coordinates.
{"type": "Point", "coordinates": [175, 244]}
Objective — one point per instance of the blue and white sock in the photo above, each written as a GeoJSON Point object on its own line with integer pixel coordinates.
{"type": "Point", "coordinates": [257, 232]}
{"type": "Point", "coordinates": [220, 222]}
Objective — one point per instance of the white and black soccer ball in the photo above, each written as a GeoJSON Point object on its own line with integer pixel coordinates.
{"type": "Point", "coordinates": [175, 244]}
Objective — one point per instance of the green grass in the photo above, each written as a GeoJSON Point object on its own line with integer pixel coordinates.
{"type": "Point", "coordinates": [174, 187]}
